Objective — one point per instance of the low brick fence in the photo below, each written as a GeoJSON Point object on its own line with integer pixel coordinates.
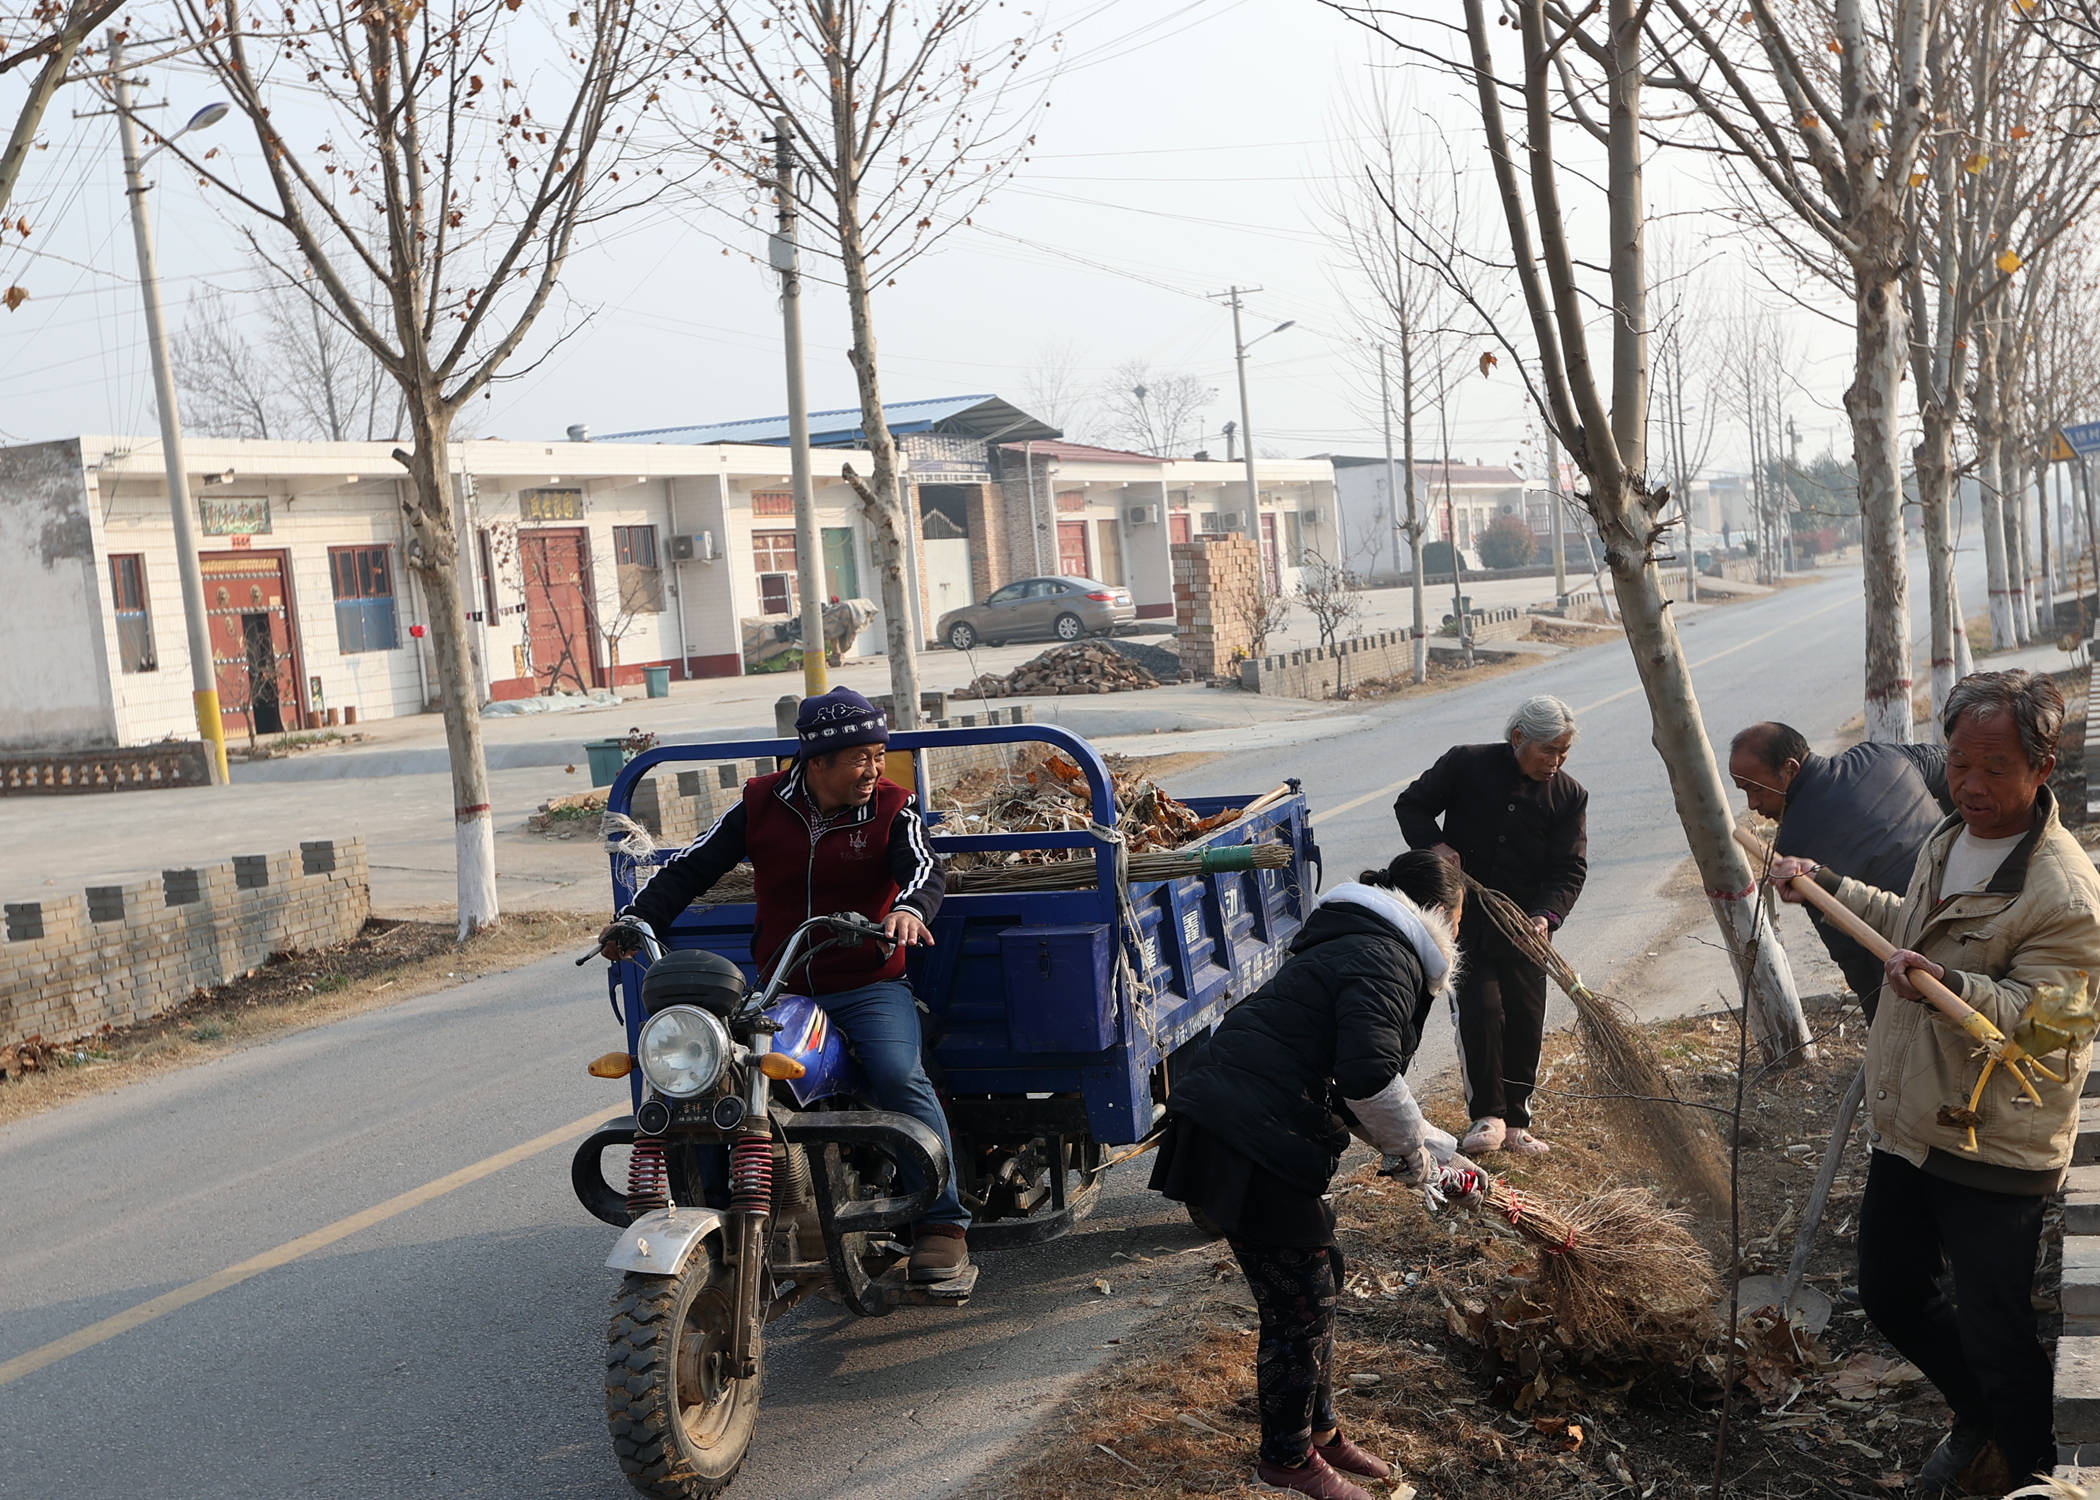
{"type": "Point", "coordinates": [136, 768]}
{"type": "Point", "coordinates": [677, 805]}
{"type": "Point", "coordinates": [125, 953]}
{"type": "Point", "coordinates": [1310, 673]}
{"type": "Point", "coordinates": [1504, 624]}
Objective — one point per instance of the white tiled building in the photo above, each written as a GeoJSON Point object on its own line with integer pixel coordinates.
{"type": "Point", "coordinates": [581, 564]}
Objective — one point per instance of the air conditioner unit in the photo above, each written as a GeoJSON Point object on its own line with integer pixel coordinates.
{"type": "Point", "coordinates": [1141, 515]}
{"type": "Point", "coordinates": [681, 549]}
{"type": "Point", "coordinates": [1230, 520]}
{"type": "Point", "coordinates": [1310, 517]}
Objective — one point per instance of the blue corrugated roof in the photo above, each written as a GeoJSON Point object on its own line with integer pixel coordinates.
{"type": "Point", "coordinates": [842, 429]}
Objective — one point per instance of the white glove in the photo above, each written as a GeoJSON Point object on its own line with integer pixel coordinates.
{"type": "Point", "coordinates": [1416, 1169]}
{"type": "Point", "coordinates": [1457, 1179]}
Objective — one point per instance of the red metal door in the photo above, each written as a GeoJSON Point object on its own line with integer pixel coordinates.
{"type": "Point", "coordinates": [1270, 566]}
{"type": "Point", "coordinates": [254, 649]}
{"type": "Point", "coordinates": [1072, 551]}
{"type": "Point", "coordinates": [1177, 526]}
{"type": "Point", "coordinates": [560, 623]}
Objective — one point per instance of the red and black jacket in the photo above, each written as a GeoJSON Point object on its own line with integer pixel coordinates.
{"type": "Point", "coordinates": [866, 859]}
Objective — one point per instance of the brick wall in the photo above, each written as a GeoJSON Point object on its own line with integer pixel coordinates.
{"type": "Point", "coordinates": [126, 953]}
{"type": "Point", "coordinates": [1217, 585]}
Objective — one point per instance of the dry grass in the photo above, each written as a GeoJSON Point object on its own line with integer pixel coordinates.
{"type": "Point", "coordinates": [1477, 1395]}
{"type": "Point", "coordinates": [386, 963]}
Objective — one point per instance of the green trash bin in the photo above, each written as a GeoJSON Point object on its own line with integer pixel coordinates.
{"type": "Point", "coordinates": [607, 757]}
{"type": "Point", "coordinates": [658, 680]}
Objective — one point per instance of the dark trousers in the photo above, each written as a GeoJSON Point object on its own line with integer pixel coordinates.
{"type": "Point", "coordinates": [1501, 1004]}
{"type": "Point", "coordinates": [1294, 1291]}
{"type": "Point", "coordinates": [1981, 1349]}
{"type": "Point", "coordinates": [1863, 972]}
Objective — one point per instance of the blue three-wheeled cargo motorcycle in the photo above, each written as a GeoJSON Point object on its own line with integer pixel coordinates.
{"type": "Point", "coordinates": [757, 1171]}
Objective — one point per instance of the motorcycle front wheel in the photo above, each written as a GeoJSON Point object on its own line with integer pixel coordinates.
{"type": "Point", "coordinates": [681, 1422]}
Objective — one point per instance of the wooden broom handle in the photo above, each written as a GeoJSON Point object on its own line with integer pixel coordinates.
{"type": "Point", "coordinates": [1855, 927]}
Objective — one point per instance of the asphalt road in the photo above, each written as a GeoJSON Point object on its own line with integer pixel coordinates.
{"type": "Point", "coordinates": [348, 1264]}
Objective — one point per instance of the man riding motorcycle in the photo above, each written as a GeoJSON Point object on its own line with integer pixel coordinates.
{"type": "Point", "coordinates": [831, 833]}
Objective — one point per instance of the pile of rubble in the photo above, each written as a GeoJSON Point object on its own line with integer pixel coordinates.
{"type": "Point", "coordinates": [1083, 667]}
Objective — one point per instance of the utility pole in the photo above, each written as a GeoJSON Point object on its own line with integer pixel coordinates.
{"type": "Point", "coordinates": [204, 675]}
{"type": "Point", "coordinates": [1240, 346]}
{"type": "Point", "coordinates": [809, 561]}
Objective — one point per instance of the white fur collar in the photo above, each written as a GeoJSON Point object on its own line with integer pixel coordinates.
{"type": "Point", "coordinates": [1427, 932]}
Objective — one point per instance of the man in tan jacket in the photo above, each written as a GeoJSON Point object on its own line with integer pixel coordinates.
{"type": "Point", "coordinates": [2002, 899]}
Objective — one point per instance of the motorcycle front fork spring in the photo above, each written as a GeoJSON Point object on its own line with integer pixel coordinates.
{"type": "Point", "coordinates": [648, 1178]}
{"type": "Point", "coordinates": [751, 1173]}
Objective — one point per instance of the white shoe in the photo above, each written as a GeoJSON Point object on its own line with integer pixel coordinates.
{"type": "Point", "coordinates": [1521, 1142]}
{"type": "Point", "coordinates": [1486, 1135]}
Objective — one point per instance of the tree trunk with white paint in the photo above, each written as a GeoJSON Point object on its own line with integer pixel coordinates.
{"type": "Point", "coordinates": [1937, 495]}
{"type": "Point", "coordinates": [1871, 402]}
{"type": "Point", "coordinates": [1990, 448]}
{"type": "Point", "coordinates": [2044, 563]}
{"type": "Point", "coordinates": [434, 555]}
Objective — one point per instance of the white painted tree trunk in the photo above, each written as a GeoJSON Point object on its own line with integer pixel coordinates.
{"type": "Point", "coordinates": [1935, 470]}
{"type": "Point", "coordinates": [435, 557]}
{"type": "Point", "coordinates": [2018, 566]}
{"type": "Point", "coordinates": [2044, 562]}
{"type": "Point", "coordinates": [1964, 653]}
{"type": "Point", "coordinates": [1990, 480]}
{"type": "Point", "coordinates": [1871, 400]}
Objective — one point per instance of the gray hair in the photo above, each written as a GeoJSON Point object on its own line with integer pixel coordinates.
{"type": "Point", "coordinates": [1541, 720]}
{"type": "Point", "coordinates": [2035, 702]}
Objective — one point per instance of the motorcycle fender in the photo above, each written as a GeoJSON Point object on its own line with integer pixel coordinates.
{"type": "Point", "coordinates": [659, 1243]}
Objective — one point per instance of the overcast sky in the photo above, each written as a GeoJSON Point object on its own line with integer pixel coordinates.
{"type": "Point", "coordinates": [1183, 152]}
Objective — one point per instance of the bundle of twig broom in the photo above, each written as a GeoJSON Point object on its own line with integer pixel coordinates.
{"type": "Point", "coordinates": [1068, 874]}
{"type": "Point", "coordinates": [1622, 1273]}
{"type": "Point", "coordinates": [1622, 1066]}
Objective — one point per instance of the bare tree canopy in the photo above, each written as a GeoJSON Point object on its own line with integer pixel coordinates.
{"type": "Point", "coordinates": [305, 377]}
{"type": "Point", "coordinates": [1146, 412]}
{"type": "Point", "coordinates": [39, 40]}
{"type": "Point", "coordinates": [445, 157]}
{"type": "Point", "coordinates": [904, 118]}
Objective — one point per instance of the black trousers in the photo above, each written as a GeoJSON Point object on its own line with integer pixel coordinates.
{"type": "Point", "coordinates": [1501, 1005]}
{"type": "Point", "coordinates": [1294, 1291]}
{"type": "Point", "coordinates": [1982, 1349]}
{"type": "Point", "coordinates": [1863, 972]}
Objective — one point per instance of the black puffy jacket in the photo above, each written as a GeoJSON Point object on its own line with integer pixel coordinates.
{"type": "Point", "coordinates": [1338, 1020]}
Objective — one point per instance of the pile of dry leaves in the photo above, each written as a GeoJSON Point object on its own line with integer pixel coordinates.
{"type": "Point", "coordinates": [1046, 792]}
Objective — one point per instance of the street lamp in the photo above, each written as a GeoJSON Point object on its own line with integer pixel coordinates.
{"type": "Point", "coordinates": [204, 679]}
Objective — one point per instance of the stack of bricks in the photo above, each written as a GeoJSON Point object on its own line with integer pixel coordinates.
{"type": "Point", "coordinates": [1217, 588]}
{"type": "Point", "coordinates": [128, 952]}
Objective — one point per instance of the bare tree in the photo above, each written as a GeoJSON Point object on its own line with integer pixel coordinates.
{"type": "Point", "coordinates": [1052, 389]}
{"type": "Point", "coordinates": [904, 119]}
{"type": "Point", "coordinates": [1604, 429]}
{"type": "Point", "coordinates": [43, 36]}
{"type": "Point", "coordinates": [1386, 267]}
{"type": "Point", "coordinates": [401, 151]}
{"type": "Point", "coordinates": [1823, 109]}
{"type": "Point", "coordinates": [308, 377]}
{"type": "Point", "coordinates": [1685, 386]}
{"type": "Point", "coordinates": [227, 386]}
{"type": "Point", "coordinates": [1147, 413]}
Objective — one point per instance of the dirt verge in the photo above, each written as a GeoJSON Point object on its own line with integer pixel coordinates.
{"type": "Point", "coordinates": [1438, 1370]}
{"type": "Point", "coordinates": [387, 962]}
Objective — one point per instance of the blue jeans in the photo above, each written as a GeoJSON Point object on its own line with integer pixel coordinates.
{"type": "Point", "coordinates": [882, 1022]}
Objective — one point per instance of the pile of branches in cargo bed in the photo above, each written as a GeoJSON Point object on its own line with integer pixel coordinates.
{"type": "Point", "coordinates": [1083, 667]}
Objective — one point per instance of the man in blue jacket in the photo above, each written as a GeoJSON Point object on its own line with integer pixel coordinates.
{"type": "Point", "coordinates": [1864, 813]}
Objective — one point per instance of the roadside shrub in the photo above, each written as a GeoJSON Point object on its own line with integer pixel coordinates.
{"type": "Point", "coordinates": [1507, 543]}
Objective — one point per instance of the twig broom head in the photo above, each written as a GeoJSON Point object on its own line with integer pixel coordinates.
{"type": "Point", "coordinates": [1622, 1273]}
{"type": "Point", "coordinates": [1622, 1065]}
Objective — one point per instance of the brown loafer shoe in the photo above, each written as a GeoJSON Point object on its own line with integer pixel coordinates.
{"type": "Point", "coordinates": [1314, 1477]}
{"type": "Point", "coordinates": [938, 1253]}
{"type": "Point", "coordinates": [1350, 1459]}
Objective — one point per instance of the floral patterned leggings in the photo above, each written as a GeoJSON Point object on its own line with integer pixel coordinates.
{"type": "Point", "coordinates": [1294, 1291]}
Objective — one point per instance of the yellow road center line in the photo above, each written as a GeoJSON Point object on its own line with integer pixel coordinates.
{"type": "Point", "coordinates": [291, 1250]}
{"type": "Point", "coordinates": [1393, 788]}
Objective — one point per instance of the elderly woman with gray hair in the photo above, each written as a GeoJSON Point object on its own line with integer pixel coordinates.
{"type": "Point", "coordinates": [1510, 817]}
{"type": "Point", "coordinates": [2002, 900]}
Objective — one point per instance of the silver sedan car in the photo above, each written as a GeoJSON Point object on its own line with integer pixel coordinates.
{"type": "Point", "coordinates": [1062, 609]}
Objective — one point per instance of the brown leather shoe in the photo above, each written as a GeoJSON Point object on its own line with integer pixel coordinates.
{"type": "Point", "coordinates": [1314, 1477]}
{"type": "Point", "coordinates": [938, 1253]}
{"type": "Point", "coordinates": [1350, 1459]}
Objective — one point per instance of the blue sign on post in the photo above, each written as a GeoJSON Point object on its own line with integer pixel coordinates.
{"type": "Point", "coordinates": [2084, 438]}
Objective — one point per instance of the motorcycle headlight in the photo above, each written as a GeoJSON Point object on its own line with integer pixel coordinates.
{"type": "Point", "coordinates": [683, 1051]}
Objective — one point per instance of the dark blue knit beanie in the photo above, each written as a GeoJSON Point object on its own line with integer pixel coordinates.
{"type": "Point", "coordinates": [839, 720]}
